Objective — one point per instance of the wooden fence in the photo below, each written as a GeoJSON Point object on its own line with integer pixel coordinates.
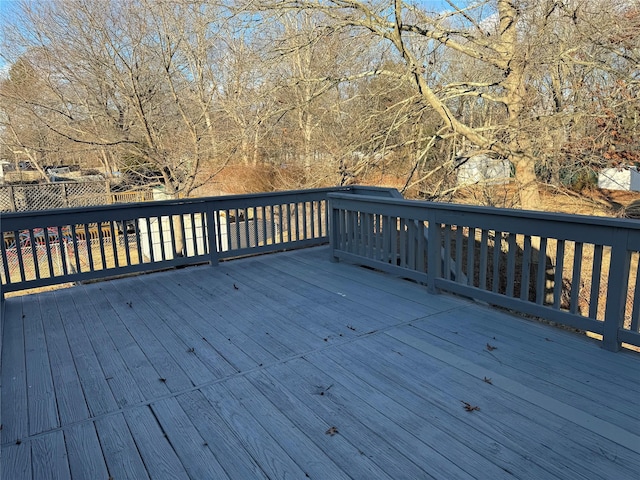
{"type": "Point", "coordinates": [47, 196]}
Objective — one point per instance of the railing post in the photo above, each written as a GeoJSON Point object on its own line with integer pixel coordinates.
{"type": "Point", "coordinates": [434, 257]}
{"type": "Point", "coordinates": [212, 236]}
{"type": "Point", "coordinates": [334, 222]}
{"type": "Point", "coordinates": [616, 291]}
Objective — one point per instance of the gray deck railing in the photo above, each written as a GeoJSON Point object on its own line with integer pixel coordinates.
{"type": "Point", "coordinates": [573, 270]}
{"type": "Point", "coordinates": [43, 248]}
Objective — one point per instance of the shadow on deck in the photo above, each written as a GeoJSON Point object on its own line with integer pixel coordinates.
{"type": "Point", "coordinates": [290, 366]}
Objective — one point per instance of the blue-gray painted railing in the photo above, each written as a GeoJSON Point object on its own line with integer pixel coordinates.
{"type": "Point", "coordinates": [43, 248]}
{"type": "Point", "coordinates": [573, 270]}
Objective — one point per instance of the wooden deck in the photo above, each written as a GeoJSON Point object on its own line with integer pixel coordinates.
{"type": "Point", "coordinates": [290, 366]}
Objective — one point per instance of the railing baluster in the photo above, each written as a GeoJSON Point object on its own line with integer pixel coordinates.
{"type": "Point", "coordinates": [484, 254]}
{"type": "Point", "coordinates": [596, 272]}
{"type": "Point", "coordinates": [558, 274]}
{"type": "Point", "coordinates": [576, 277]}
{"type": "Point", "coordinates": [446, 269]}
{"type": "Point", "coordinates": [458, 258]}
{"type": "Point", "coordinates": [511, 264]}
{"type": "Point", "coordinates": [497, 253]}
{"type": "Point", "coordinates": [103, 259]}
{"type": "Point", "coordinates": [541, 278]}
{"type": "Point", "coordinates": [526, 268]}
{"type": "Point", "coordinates": [34, 253]}
{"type": "Point", "coordinates": [471, 251]}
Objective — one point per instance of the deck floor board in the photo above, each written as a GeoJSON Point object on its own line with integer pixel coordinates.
{"type": "Point", "coordinates": [290, 366]}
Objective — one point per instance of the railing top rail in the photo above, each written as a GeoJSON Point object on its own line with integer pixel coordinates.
{"type": "Point", "coordinates": [451, 208]}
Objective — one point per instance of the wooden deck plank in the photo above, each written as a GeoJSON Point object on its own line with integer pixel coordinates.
{"type": "Point", "coordinates": [471, 450]}
{"type": "Point", "coordinates": [392, 384]}
{"type": "Point", "coordinates": [382, 442]}
{"type": "Point", "coordinates": [376, 298]}
{"type": "Point", "coordinates": [16, 461]}
{"type": "Point", "coordinates": [544, 340]}
{"type": "Point", "coordinates": [282, 306]}
{"type": "Point", "coordinates": [130, 313]}
{"type": "Point", "coordinates": [299, 445]}
{"type": "Point", "coordinates": [233, 299]}
{"type": "Point", "coordinates": [154, 320]}
{"type": "Point", "coordinates": [125, 388]}
{"type": "Point", "coordinates": [345, 454]}
{"type": "Point", "coordinates": [140, 367]}
{"type": "Point", "coordinates": [69, 395]}
{"type": "Point", "coordinates": [86, 459]}
{"type": "Point", "coordinates": [97, 392]}
{"type": "Point", "coordinates": [42, 410]}
{"type": "Point", "coordinates": [317, 258]}
{"type": "Point", "coordinates": [315, 310]}
{"type": "Point", "coordinates": [497, 433]}
{"type": "Point", "coordinates": [119, 449]}
{"type": "Point", "coordinates": [49, 457]}
{"type": "Point", "coordinates": [208, 319]}
{"type": "Point", "coordinates": [158, 455]}
{"type": "Point", "coordinates": [559, 423]}
{"type": "Point", "coordinates": [228, 449]}
{"type": "Point", "coordinates": [15, 416]}
{"type": "Point", "coordinates": [554, 378]}
{"type": "Point", "coordinates": [194, 452]}
{"type": "Point", "coordinates": [255, 439]}
{"type": "Point", "coordinates": [185, 329]}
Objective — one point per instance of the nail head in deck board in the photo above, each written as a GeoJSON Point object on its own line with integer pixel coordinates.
{"type": "Point", "coordinates": [228, 449]}
{"type": "Point", "coordinates": [85, 454]}
{"type": "Point", "coordinates": [196, 457]}
{"type": "Point", "coordinates": [120, 452]}
{"type": "Point", "coordinates": [14, 413]}
{"type": "Point", "coordinates": [49, 457]}
{"type": "Point", "coordinates": [157, 453]}
{"type": "Point", "coordinates": [43, 413]}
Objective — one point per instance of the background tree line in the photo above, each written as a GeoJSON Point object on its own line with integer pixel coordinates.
{"type": "Point", "coordinates": [321, 92]}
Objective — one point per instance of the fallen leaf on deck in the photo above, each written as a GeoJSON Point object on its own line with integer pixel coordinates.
{"type": "Point", "coordinates": [332, 431]}
{"type": "Point", "coordinates": [491, 347]}
{"type": "Point", "coordinates": [468, 407]}
{"type": "Point", "coordinates": [487, 380]}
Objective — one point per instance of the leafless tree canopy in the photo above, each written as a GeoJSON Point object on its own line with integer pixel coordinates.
{"type": "Point", "coordinates": [318, 92]}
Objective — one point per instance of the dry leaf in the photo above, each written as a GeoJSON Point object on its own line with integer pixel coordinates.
{"type": "Point", "coordinates": [332, 431]}
{"type": "Point", "coordinates": [490, 347]}
{"type": "Point", "coordinates": [468, 407]}
{"type": "Point", "coordinates": [487, 380]}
